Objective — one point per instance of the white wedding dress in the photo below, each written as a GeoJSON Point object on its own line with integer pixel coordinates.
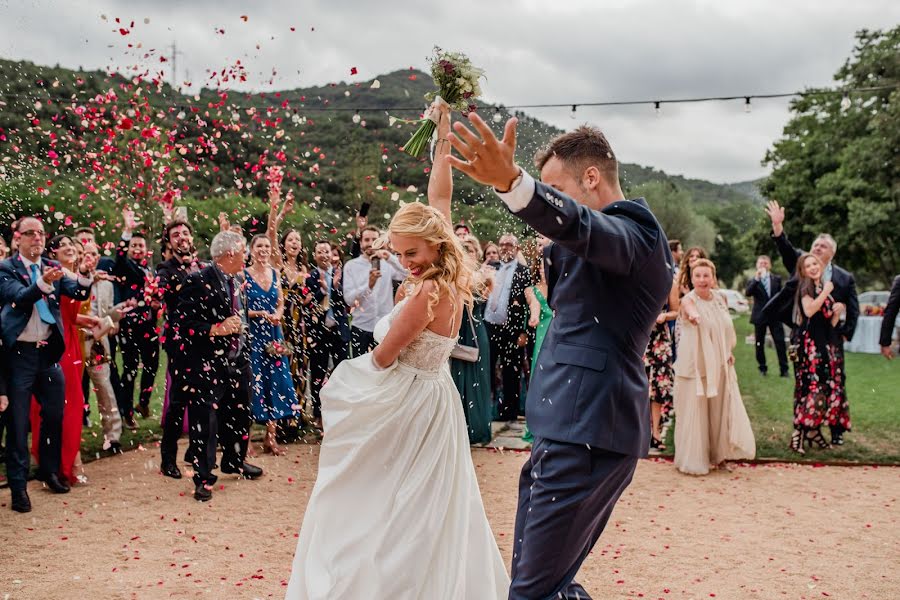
{"type": "Point", "coordinates": [396, 512]}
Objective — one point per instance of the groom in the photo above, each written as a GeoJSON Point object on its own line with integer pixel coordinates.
{"type": "Point", "coordinates": [608, 275]}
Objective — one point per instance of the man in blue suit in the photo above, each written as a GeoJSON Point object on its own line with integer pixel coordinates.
{"type": "Point", "coordinates": [608, 275]}
{"type": "Point", "coordinates": [32, 330]}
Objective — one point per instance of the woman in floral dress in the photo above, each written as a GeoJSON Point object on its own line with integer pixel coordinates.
{"type": "Point", "coordinates": [658, 359]}
{"type": "Point", "coordinates": [819, 395]}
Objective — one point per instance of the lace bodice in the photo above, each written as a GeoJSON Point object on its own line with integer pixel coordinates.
{"type": "Point", "coordinates": [429, 351]}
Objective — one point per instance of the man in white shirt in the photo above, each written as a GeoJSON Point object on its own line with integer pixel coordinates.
{"type": "Point", "coordinates": [32, 330]}
{"type": "Point", "coordinates": [369, 290]}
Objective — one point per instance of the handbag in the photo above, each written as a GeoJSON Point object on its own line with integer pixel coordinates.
{"type": "Point", "coordinates": [463, 352]}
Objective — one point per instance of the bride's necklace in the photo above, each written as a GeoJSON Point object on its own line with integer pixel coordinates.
{"type": "Point", "coordinates": [709, 295]}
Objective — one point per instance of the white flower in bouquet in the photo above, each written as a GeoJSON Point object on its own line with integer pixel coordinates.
{"type": "Point", "coordinates": [457, 80]}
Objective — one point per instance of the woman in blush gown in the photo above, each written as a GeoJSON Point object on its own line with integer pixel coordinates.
{"type": "Point", "coordinates": [396, 511]}
{"type": "Point", "coordinates": [711, 423]}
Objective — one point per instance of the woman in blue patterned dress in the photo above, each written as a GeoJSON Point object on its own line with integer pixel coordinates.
{"type": "Point", "coordinates": [274, 397]}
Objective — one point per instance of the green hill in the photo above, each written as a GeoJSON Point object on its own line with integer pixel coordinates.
{"type": "Point", "coordinates": [213, 148]}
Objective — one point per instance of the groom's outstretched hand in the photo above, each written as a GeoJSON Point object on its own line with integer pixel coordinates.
{"type": "Point", "coordinates": [487, 160]}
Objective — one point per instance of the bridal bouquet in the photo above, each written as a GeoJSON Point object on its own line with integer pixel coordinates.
{"type": "Point", "coordinates": [457, 80]}
{"type": "Point", "coordinates": [279, 348]}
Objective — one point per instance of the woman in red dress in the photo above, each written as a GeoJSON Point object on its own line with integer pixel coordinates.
{"type": "Point", "coordinates": [63, 249]}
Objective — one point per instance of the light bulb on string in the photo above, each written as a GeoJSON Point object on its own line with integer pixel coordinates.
{"type": "Point", "coordinates": [747, 108]}
{"type": "Point", "coordinates": [356, 117]}
{"type": "Point", "coordinates": [657, 109]}
{"type": "Point", "coordinates": [497, 116]}
{"type": "Point", "coordinates": [845, 102]}
{"type": "Point", "coordinates": [574, 109]}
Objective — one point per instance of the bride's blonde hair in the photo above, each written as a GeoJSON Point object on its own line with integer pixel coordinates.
{"type": "Point", "coordinates": [452, 271]}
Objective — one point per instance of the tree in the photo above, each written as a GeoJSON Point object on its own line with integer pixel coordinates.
{"type": "Point", "coordinates": [674, 209]}
{"type": "Point", "coordinates": [836, 170]}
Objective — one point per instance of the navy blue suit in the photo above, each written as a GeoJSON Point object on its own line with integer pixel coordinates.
{"type": "Point", "coordinates": [756, 289]}
{"type": "Point", "coordinates": [33, 369]}
{"type": "Point", "coordinates": [608, 274]}
{"type": "Point", "coordinates": [890, 314]}
{"type": "Point", "coordinates": [327, 342]}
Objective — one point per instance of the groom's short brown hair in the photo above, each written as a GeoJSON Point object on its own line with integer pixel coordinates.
{"type": "Point", "coordinates": [580, 149]}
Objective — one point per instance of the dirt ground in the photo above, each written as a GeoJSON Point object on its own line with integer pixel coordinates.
{"type": "Point", "coordinates": [773, 531]}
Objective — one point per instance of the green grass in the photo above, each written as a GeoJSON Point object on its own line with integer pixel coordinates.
{"type": "Point", "coordinates": [873, 389]}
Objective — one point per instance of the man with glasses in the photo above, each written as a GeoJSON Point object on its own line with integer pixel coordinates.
{"type": "Point", "coordinates": [32, 330]}
{"type": "Point", "coordinates": [506, 314]}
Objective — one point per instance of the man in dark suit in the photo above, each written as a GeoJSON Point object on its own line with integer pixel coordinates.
{"type": "Point", "coordinates": [211, 366]}
{"type": "Point", "coordinates": [609, 273]}
{"type": "Point", "coordinates": [178, 237]}
{"type": "Point", "coordinates": [824, 247]}
{"type": "Point", "coordinates": [137, 338]}
{"type": "Point", "coordinates": [889, 320]}
{"type": "Point", "coordinates": [506, 314]}
{"type": "Point", "coordinates": [32, 330]}
{"type": "Point", "coordinates": [326, 322]}
{"type": "Point", "coordinates": [762, 288]}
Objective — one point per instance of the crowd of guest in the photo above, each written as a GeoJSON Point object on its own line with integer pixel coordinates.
{"type": "Point", "coordinates": [257, 329]}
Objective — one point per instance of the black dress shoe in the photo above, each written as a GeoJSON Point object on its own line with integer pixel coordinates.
{"type": "Point", "coordinates": [21, 502]}
{"type": "Point", "coordinates": [785, 374]}
{"type": "Point", "coordinates": [115, 447]}
{"type": "Point", "coordinates": [170, 470]}
{"type": "Point", "coordinates": [246, 471]}
{"type": "Point", "coordinates": [202, 493]}
{"type": "Point", "coordinates": [56, 485]}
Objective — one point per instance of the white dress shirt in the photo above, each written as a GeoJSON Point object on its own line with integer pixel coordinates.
{"type": "Point", "coordinates": [370, 304]}
{"type": "Point", "coordinates": [520, 196]}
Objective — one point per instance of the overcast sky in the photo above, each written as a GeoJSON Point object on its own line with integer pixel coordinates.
{"type": "Point", "coordinates": [548, 51]}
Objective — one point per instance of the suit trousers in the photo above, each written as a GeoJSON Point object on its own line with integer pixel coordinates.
{"type": "Point", "coordinates": [567, 493]}
{"type": "Point", "coordinates": [221, 415]}
{"type": "Point", "coordinates": [32, 373]}
{"type": "Point", "coordinates": [325, 344]}
{"type": "Point", "coordinates": [759, 333]}
{"type": "Point", "coordinates": [509, 355]}
{"type": "Point", "coordinates": [361, 341]}
{"type": "Point", "coordinates": [139, 343]}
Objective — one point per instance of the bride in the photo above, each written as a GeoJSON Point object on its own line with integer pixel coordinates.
{"type": "Point", "coordinates": [396, 512]}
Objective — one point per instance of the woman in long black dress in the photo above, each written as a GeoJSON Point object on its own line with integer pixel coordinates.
{"type": "Point", "coordinates": [819, 396]}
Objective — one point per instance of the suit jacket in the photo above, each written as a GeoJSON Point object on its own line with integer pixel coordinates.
{"type": "Point", "coordinates": [609, 274]}
{"type": "Point", "coordinates": [315, 313]}
{"type": "Point", "coordinates": [18, 296]}
{"type": "Point", "coordinates": [757, 291]}
{"type": "Point", "coordinates": [844, 287]}
{"type": "Point", "coordinates": [890, 314]}
{"type": "Point", "coordinates": [3, 366]}
{"type": "Point", "coordinates": [172, 274]}
{"type": "Point", "coordinates": [131, 279]}
{"type": "Point", "coordinates": [198, 358]}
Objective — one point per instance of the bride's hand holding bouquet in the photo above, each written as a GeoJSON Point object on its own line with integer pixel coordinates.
{"type": "Point", "coordinates": [458, 83]}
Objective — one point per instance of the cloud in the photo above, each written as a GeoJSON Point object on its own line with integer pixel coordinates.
{"type": "Point", "coordinates": [533, 52]}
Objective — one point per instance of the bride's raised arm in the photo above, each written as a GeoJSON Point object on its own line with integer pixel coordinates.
{"type": "Point", "coordinates": [440, 181]}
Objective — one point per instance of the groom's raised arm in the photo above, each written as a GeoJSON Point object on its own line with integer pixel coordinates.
{"type": "Point", "coordinates": [609, 241]}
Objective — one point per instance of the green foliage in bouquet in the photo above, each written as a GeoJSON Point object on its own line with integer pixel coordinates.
{"type": "Point", "coordinates": [457, 80]}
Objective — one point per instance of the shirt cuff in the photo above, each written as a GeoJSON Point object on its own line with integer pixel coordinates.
{"type": "Point", "coordinates": [520, 196]}
{"type": "Point", "coordinates": [45, 287]}
{"type": "Point", "coordinates": [85, 281]}
{"type": "Point", "coordinates": [127, 235]}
